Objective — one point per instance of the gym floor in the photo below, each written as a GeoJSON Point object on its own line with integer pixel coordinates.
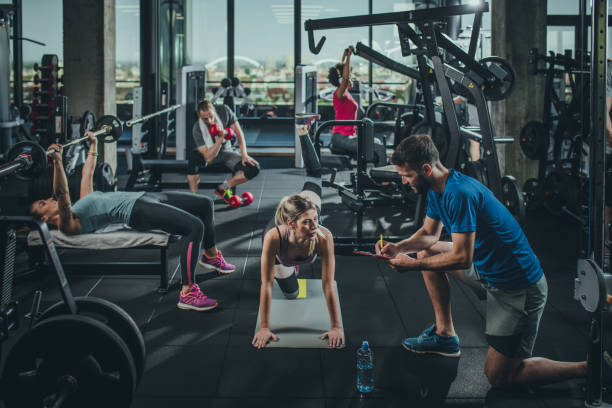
{"type": "Point", "coordinates": [206, 360]}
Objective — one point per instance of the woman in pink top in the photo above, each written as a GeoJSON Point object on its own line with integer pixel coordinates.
{"type": "Point", "coordinates": [345, 108]}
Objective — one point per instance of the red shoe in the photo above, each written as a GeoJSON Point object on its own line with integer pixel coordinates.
{"type": "Point", "coordinates": [226, 194]}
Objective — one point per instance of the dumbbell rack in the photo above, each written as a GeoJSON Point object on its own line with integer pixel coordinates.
{"type": "Point", "coordinates": [44, 101]}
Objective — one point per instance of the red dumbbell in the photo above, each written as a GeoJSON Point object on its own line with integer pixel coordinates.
{"type": "Point", "coordinates": [235, 201]}
{"type": "Point", "coordinates": [247, 198]}
{"type": "Point", "coordinates": [229, 134]}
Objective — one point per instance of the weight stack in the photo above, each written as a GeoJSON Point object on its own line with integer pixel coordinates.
{"type": "Point", "coordinates": [8, 243]}
{"type": "Point", "coordinates": [43, 104]}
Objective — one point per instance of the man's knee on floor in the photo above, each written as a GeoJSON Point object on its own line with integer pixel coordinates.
{"type": "Point", "coordinates": [502, 371]}
{"type": "Point", "coordinates": [501, 378]}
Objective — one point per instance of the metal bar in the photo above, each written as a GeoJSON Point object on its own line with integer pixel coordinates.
{"type": "Point", "coordinates": [152, 115]}
{"type": "Point", "coordinates": [475, 34]}
{"type": "Point", "coordinates": [374, 56]}
{"type": "Point", "coordinates": [449, 45]}
{"type": "Point", "coordinates": [432, 14]}
{"type": "Point", "coordinates": [297, 33]}
{"type": "Point", "coordinates": [12, 167]}
{"type": "Point", "coordinates": [17, 54]}
{"type": "Point", "coordinates": [230, 38]}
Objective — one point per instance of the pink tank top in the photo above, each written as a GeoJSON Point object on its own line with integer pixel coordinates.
{"type": "Point", "coordinates": [346, 109]}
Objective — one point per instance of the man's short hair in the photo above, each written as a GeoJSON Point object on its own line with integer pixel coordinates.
{"type": "Point", "coordinates": [415, 150]}
{"type": "Point", "coordinates": [205, 105]}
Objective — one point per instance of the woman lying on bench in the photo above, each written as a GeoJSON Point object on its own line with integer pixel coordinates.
{"type": "Point", "coordinates": [184, 214]}
{"type": "Point", "coordinates": [295, 238]}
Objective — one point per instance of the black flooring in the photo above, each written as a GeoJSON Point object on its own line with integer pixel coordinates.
{"type": "Point", "coordinates": [206, 360]}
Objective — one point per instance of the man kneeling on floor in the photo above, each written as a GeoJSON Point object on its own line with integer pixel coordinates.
{"type": "Point", "coordinates": [213, 133]}
{"type": "Point", "coordinates": [489, 250]}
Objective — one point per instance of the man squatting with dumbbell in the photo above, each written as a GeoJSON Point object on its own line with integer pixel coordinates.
{"type": "Point", "coordinates": [190, 216]}
{"type": "Point", "coordinates": [212, 134]}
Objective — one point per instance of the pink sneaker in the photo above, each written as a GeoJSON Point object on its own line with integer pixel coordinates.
{"type": "Point", "coordinates": [196, 300]}
{"type": "Point", "coordinates": [216, 264]}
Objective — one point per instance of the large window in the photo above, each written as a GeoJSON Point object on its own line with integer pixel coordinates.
{"type": "Point", "coordinates": [42, 21]}
{"type": "Point", "coordinates": [127, 43]}
{"type": "Point", "coordinates": [337, 40]}
{"type": "Point", "coordinates": [206, 44]}
{"type": "Point", "coordinates": [385, 39]}
{"type": "Point", "coordinates": [264, 59]}
{"type": "Point", "coordinates": [563, 7]}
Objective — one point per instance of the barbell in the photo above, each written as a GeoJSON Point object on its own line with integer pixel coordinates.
{"type": "Point", "coordinates": [132, 122]}
{"type": "Point", "coordinates": [28, 159]}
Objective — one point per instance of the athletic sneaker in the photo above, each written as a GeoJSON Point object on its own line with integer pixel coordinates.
{"type": "Point", "coordinates": [196, 300]}
{"type": "Point", "coordinates": [216, 264]}
{"type": "Point", "coordinates": [224, 194]}
{"type": "Point", "coordinates": [431, 343]}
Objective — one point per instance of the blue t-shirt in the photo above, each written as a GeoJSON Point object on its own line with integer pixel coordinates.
{"type": "Point", "coordinates": [97, 209]}
{"type": "Point", "coordinates": [502, 254]}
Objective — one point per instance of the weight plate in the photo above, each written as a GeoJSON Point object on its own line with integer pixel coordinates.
{"type": "Point", "coordinates": [512, 197]}
{"type": "Point", "coordinates": [111, 315]}
{"type": "Point", "coordinates": [80, 348]}
{"type": "Point", "coordinates": [36, 152]}
{"type": "Point", "coordinates": [115, 126]}
{"type": "Point", "coordinates": [534, 140]}
{"type": "Point", "coordinates": [501, 82]}
{"type": "Point", "coordinates": [88, 122]}
{"type": "Point", "coordinates": [532, 194]}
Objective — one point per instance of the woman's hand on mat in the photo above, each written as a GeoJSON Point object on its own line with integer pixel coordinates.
{"type": "Point", "coordinates": [262, 337]}
{"type": "Point", "coordinates": [401, 261]}
{"type": "Point", "coordinates": [248, 159]}
{"type": "Point", "coordinates": [388, 249]}
{"type": "Point", "coordinates": [335, 337]}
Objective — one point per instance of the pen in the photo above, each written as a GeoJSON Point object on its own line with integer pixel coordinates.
{"type": "Point", "coordinates": [381, 241]}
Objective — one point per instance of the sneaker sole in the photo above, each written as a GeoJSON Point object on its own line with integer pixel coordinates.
{"type": "Point", "coordinates": [214, 268]}
{"type": "Point", "coordinates": [185, 306]}
{"type": "Point", "coordinates": [456, 354]}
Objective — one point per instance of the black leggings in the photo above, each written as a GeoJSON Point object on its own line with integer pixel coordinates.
{"type": "Point", "coordinates": [188, 215]}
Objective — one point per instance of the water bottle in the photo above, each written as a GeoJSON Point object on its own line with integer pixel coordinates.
{"type": "Point", "coordinates": [365, 368]}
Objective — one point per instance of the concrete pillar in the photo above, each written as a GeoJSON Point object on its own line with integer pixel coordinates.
{"type": "Point", "coordinates": [517, 26]}
{"type": "Point", "coordinates": [89, 62]}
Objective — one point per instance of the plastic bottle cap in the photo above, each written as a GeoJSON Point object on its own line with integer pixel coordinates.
{"type": "Point", "coordinates": [365, 345]}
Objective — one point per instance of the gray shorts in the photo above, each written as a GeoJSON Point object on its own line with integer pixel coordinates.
{"type": "Point", "coordinates": [226, 158]}
{"type": "Point", "coordinates": [513, 316]}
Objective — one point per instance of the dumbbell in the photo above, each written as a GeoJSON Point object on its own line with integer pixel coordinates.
{"type": "Point", "coordinates": [36, 93]}
{"type": "Point", "coordinates": [49, 67]}
{"type": "Point", "coordinates": [49, 79]}
{"type": "Point", "coordinates": [245, 199]}
{"type": "Point", "coordinates": [215, 130]}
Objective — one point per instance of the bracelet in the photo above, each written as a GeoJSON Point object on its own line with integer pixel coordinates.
{"type": "Point", "coordinates": [92, 153]}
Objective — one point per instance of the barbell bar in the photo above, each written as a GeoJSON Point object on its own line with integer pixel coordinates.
{"type": "Point", "coordinates": [28, 159]}
{"type": "Point", "coordinates": [132, 122]}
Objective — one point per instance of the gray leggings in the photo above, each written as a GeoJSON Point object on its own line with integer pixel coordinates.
{"type": "Point", "coordinates": [350, 144]}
